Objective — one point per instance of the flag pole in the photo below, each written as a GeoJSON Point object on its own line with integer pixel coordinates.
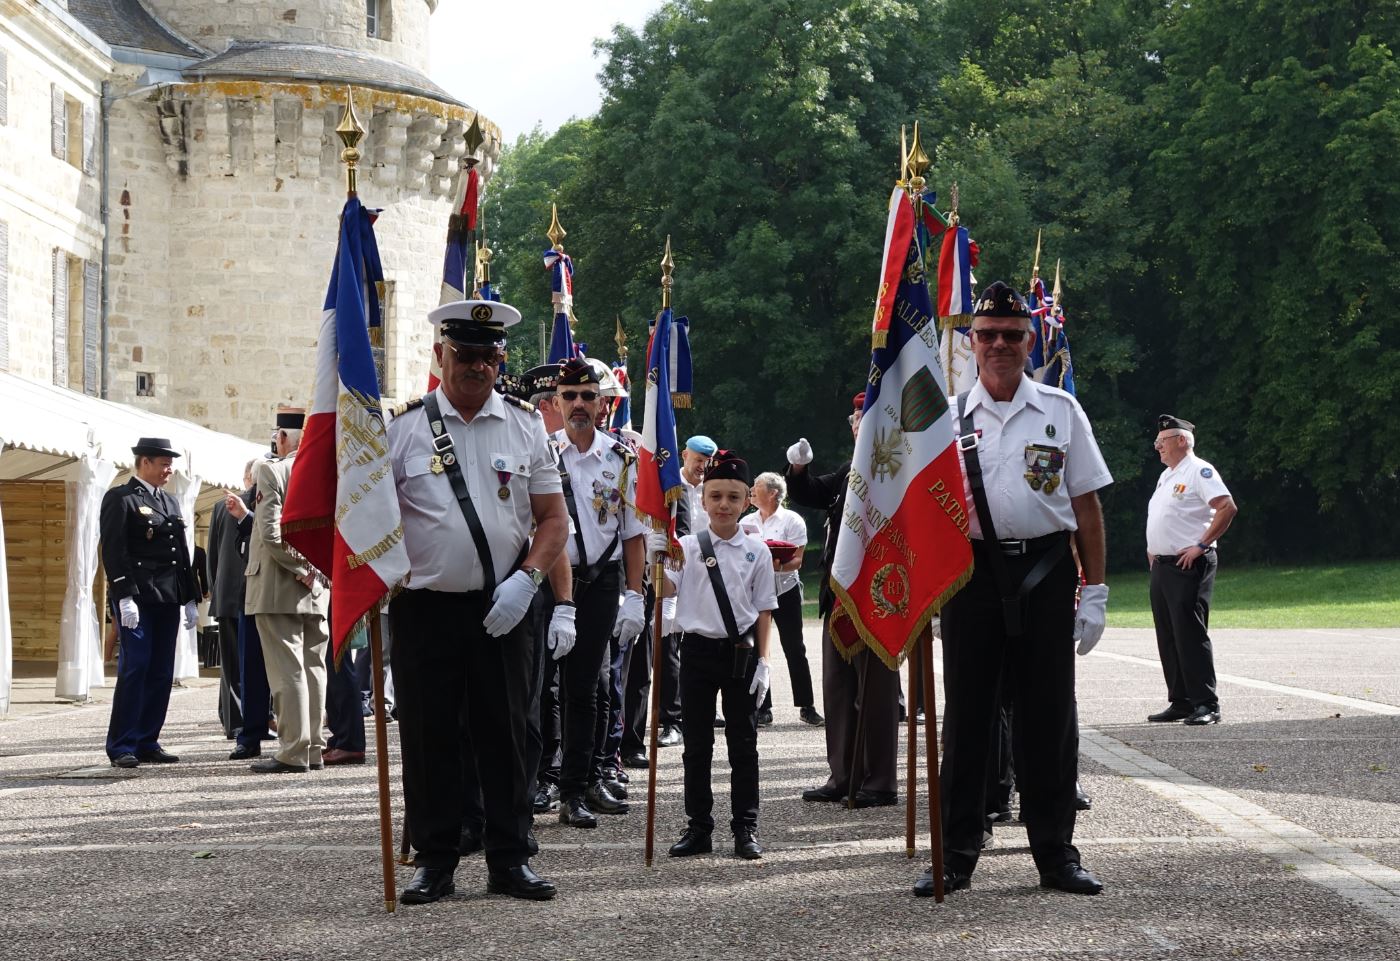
{"type": "Point", "coordinates": [911, 757]}
{"type": "Point", "coordinates": [668, 264]}
{"type": "Point", "coordinates": [350, 132]}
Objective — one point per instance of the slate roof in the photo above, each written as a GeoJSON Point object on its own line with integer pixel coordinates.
{"type": "Point", "coordinates": [126, 23]}
{"type": "Point", "coordinates": [264, 60]}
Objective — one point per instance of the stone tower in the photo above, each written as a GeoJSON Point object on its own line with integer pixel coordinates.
{"type": "Point", "coordinates": [223, 187]}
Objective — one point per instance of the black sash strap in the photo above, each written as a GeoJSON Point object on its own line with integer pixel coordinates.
{"type": "Point", "coordinates": [442, 446]}
{"type": "Point", "coordinates": [585, 573]}
{"type": "Point", "coordinates": [1012, 595]}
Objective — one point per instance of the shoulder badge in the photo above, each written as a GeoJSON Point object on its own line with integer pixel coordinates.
{"type": "Point", "coordinates": [623, 451]}
{"type": "Point", "coordinates": [402, 409]}
{"type": "Point", "coordinates": [1207, 472]}
{"type": "Point", "coordinates": [516, 402]}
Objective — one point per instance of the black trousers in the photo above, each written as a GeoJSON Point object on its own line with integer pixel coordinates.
{"type": "Point", "coordinates": [447, 667]}
{"type": "Point", "coordinates": [841, 697]}
{"type": "Point", "coordinates": [345, 714]}
{"type": "Point", "coordinates": [1181, 613]}
{"type": "Point", "coordinates": [230, 683]}
{"type": "Point", "coordinates": [612, 682]}
{"type": "Point", "coordinates": [541, 664]}
{"type": "Point", "coordinates": [579, 672]}
{"type": "Point", "coordinates": [1037, 670]}
{"type": "Point", "coordinates": [707, 671]}
{"type": "Point", "coordinates": [788, 619]}
{"type": "Point", "coordinates": [638, 693]}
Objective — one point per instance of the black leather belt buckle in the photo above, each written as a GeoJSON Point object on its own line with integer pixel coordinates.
{"type": "Point", "coordinates": [1012, 548]}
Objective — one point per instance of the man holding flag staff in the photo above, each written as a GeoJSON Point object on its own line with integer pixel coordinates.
{"type": "Point", "coordinates": [474, 472]}
{"type": "Point", "coordinates": [1032, 471]}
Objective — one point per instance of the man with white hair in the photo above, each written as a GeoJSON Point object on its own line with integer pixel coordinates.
{"type": "Point", "coordinates": [1188, 512]}
{"type": "Point", "coordinates": [774, 522]}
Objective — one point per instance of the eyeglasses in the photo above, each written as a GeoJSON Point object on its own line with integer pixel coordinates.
{"type": "Point", "coordinates": [476, 355]}
{"type": "Point", "coordinates": [572, 395]}
{"type": "Point", "coordinates": [1161, 443]}
{"type": "Point", "coordinates": [986, 336]}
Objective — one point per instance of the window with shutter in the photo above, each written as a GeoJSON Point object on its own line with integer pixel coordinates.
{"type": "Point", "coordinates": [4, 295]}
{"type": "Point", "coordinates": [92, 320]}
{"type": "Point", "coordinates": [4, 89]}
{"type": "Point", "coordinates": [60, 317]}
{"type": "Point", "coordinates": [89, 139]}
{"type": "Point", "coordinates": [59, 121]}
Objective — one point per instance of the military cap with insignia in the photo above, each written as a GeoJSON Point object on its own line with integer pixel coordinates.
{"type": "Point", "coordinates": [474, 323]}
{"type": "Point", "coordinates": [1170, 422]}
{"type": "Point", "coordinates": [291, 418]}
{"type": "Point", "coordinates": [1001, 300]}
{"type": "Point", "coordinates": [576, 371]}
{"type": "Point", "coordinates": [728, 465]}
{"type": "Point", "coordinates": [154, 447]}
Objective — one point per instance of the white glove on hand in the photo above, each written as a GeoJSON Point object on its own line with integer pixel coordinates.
{"type": "Point", "coordinates": [130, 616]}
{"type": "Point", "coordinates": [800, 453]}
{"type": "Point", "coordinates": [191, 614]}
{"type": "Point", "coordinates": [668, 615]}
{"type": "Point", "coordinates": [562, 633]}
{"type": "Point", "coordinates": [630, 617]}
{"type": "Point", "coordinates": [761, 676]}
{"type": "Point", "coordinates": [1090, 618]}
{"type": "Point", "coordinates": [658, 543]}
{"type": "Point", "coordinates": [511, 601]}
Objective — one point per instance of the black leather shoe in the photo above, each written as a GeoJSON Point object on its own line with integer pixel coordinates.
{"type": "Point", "coordinates": [1205, 714]}
{"type": "Point", "coordinates": [617, 774]}
{"type": "Point", "coordinates": [615, 787]}
{"type": "Point", "coordinates": [952, 881]}
{"type": "Point", "coordinates": [125, 761]}
{"type": "Point", "coordinates": [824, 793]}
{"type": "Point", "coordinates": [1082, 801]}
{"type": "Point", "coordinates": [602, 801]}
{"type": "Point", "coordinates": [746, 846]}
{"type": "Point", "coordinates": [428, 885]}
{"type": "Point", "coordinates": [244, 753]}
{"type": "Point", "coordinates": [875, 799]}
{"type": "Point", "coordinates": [1174, 712]}
{"type": "Point", "coordinates": [765, 718]}
{"type": "Point", "coordinates": [693, 841]}
{"type": "Point", "coordinates": [1071, 877]}
{"type": "Point", "coordinates": [158, 756]}
{"type": "Point", "coordinates": [470, 842]}
{"type": "Point", "coordinates": [670, 736]}
{"type": "Point", "coordinates": [520, 882]}
{"type": "Point", "coordinates": [637, 759]}
{"type": "Point", "coordinates": [270, 765]}
{"type": "Point", "coordinates": [546, 798]}
{"type": "Point", "coordinates": [575, 814]}
{"type": "Point", "coordinates": [1001, 816]}
{"type": "Point", "coordinates": [810, 716]}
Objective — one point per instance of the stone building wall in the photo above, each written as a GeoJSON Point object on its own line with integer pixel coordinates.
{"type": "Point", "coordinates": [225, 198]}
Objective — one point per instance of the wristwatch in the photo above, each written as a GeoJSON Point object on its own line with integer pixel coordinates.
{"type": "Point", "coordinates": [536, 575]}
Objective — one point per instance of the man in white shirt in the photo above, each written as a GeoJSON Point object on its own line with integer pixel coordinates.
{"type": "Point", "coordinates": [1188, 512]}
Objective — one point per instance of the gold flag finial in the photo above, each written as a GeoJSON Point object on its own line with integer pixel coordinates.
{"type": "Point", "coordinates": [620, 338]}
{"type": "Point", "coordinates": [917, 162]}
{"type": "Point", "coordinates": [1035, 265]}
{"type": "Point", "coordinates": [483, 261]}
{"type": "Point", "coordinates": [668, 264]}
{"type": "Point", "coordinates": [1055, 293]}
{"type": "Point", "coordinates": [953, 219]}
{"type": "Point", "coordinates": [556, 233]}
{"type": "Point", "coordinates": [350, 132]}
{"type": "Point", "coordinates": [903, 179]}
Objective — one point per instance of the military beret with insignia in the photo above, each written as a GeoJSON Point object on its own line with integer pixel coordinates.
{"type": "Point", "coordinates": [576, 371]}
{"type": "Point", "coordinates": [727, 465]}
{"type": "Point", "coordinates": [1000, 300]}
{"type": "Point", "coordinates": [1169, 422]}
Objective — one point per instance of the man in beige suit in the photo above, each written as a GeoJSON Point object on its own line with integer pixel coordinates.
{"type": "Point", "coordinates": [290, 608]}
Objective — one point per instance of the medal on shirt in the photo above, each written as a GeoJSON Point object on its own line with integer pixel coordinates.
{"type": "Point", "coordinates": [1044, 466]}
{"type": "Point", "coordinates": [504, 477]}
{"type": "Point", "coordinates": [435, 464]}
{"type": "Point", "coordinates": [143, 509]}
{"type": "Point", "coordinates": [606, 500]}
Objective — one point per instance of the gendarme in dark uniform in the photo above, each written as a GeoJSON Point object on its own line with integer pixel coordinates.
{"type": "Point", "coordinates": [1033, 469]}
{"type": "Point", "coordinates": [153, 589]}
{"type": "Point", "coordinates": [474, 473]}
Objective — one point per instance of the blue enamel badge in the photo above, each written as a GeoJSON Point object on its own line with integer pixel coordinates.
{"type": "Point", "coordinates": [1207, 472]}
{"type": "Point", "coordinates": [750, 555]}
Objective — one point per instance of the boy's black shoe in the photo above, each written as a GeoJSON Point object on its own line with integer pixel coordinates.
{"type": "Point", "coordinates": [746, 845]}
{"type": "Point", "coordinates": [693, 841]}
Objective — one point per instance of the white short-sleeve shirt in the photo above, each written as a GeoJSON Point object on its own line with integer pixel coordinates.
{"type": "Point", "coordinates": [505, 457]}
{"type": "Point", "coordinates": [1037, 451]}
{"type": "Point", "coordinates": [747, 567]}
{"type": "Point", "coordinates": [781, 525]}
{"type": "Point", "coordinates": [605, 493]}
{"type": "Point", "coordinates": [1179, 511]}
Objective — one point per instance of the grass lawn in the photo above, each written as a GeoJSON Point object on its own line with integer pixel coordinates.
{"type": "Point", "coordinates": [1361, 594]}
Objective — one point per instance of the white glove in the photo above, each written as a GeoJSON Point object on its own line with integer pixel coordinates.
{"type": "Point", "coordinates": [658, 543]}
{"type": "Point", "coordinates": [800, 453]}
{"type": "Point", "coordinates": [630, 617]}
{"type": "Point", "coordinates": [562, 633]}
{"type": "Point", "coordinates": [761, 675]}
{"type": "Point", "coordinates": [511, 601]}
{"type": "Point", "coordinates": [1089, 619]}
{"type": "Point", "coordinates": [130, 616]}
{"type": "Point", "coordinates": [668, 615]}
{"type": "Point", "coordinates": [191, 614]}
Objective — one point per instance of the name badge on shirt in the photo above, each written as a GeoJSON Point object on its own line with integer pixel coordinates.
{"type": "Point", "coordinates": [1044, 465]}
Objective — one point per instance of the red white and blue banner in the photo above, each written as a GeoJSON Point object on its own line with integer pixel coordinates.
{"type": "Point", "coordinates": [956, 258]}
{"type": "Point", "coordinates": [1050, 357]}
{"type": "Point", "coordinates": [561, 292]}
{"type": "Point", "coordinates": [903, 547]}
{"type": "Point", "coordinates": [342, 511]}
{"type": "Point", "coordinates": [622, 412]}
{"type": "Point", "coordinates": [658, 461]}
{"type": "Point", "coordinates": [678, 371]}
{"type": "Point", "coordinates": [460, 254]}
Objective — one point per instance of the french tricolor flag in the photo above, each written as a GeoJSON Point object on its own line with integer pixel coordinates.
{"type": "Point", "coordinates": [342, 510]}
{"type": "Point", "coordinates": [658, 460]}
{"type": "Point", "coordinates": [459, 255]}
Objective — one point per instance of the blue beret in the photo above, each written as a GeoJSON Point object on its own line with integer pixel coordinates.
{"type": "Point", "coordinates": [702, 445]}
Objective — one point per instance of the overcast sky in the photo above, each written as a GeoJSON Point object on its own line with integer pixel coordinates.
{"type": "Point", "coordinates": [522, 62]}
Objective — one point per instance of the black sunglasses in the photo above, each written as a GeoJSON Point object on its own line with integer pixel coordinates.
{"type": "Point", "coordinates": [587, 395]}
{"type": "Point", "coordinates": [476, 355]}
{"type": "Point", "coordinates": [986, 336]}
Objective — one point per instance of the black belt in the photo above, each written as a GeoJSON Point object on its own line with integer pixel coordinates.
{"type": "Point", "coordinates": [1173, 558]}
{"type": "Point", "coordinates": [1033, 545]}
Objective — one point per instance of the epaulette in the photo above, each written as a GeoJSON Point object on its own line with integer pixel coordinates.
{"type": "Point", "coordinates": [402, 409]}
{"type": "Point", "coordinates": [513, 401]}
{"type": "Point", "coordinates": [621, 449]}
